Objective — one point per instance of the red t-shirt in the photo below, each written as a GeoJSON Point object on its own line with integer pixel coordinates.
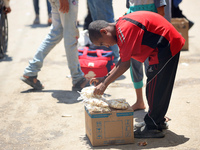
{"type": "Point", "coordinates": [144, 34]}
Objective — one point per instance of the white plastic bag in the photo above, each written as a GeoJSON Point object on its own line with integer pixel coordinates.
{"type": "Point", "coordinates": [84, 39]}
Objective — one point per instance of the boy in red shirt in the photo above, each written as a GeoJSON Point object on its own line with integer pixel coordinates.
{"type": "Point", "coordinates": [141, 35]}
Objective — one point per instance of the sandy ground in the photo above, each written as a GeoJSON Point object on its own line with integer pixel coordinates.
{"type": "Point", "coordinates": [33, 120]}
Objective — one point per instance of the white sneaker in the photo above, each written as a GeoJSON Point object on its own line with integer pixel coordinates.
{"type": "Point", "coordinates": [139, 125]}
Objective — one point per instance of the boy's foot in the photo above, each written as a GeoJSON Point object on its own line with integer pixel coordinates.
{"type": "Point", "coordinates": [33, 82]}
{"type": "Point", "coordinates": [143, 132]}
{"type": "Point", "coordinates": [138, 106]}
{"type": "Point", "coordinates": [81, 84]}
{"type": "Point", "coordinates": [167, 119]}
{"type": "Point", "coordinates": [37, 20]}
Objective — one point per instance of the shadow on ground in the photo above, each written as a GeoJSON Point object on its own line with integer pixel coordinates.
{"type": "Point", "coordinates": [6, 58]}
{"type": "Point", "coordinates": [171, 139]}
{"type": "Point", "coordinates": [38, 25]}
{"type": "Point", "coordinates": [67, 97]}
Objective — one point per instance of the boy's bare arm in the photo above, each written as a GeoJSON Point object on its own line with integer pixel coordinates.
{"type": "Point", "coordinates": [116, 72]}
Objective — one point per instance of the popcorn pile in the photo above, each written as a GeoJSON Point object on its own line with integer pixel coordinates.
{"type": "Point", "coordinates": [96, 103]}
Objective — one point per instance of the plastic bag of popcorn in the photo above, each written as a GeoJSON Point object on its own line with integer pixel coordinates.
{"type": "Point", "coordinates": [118, 103]}
{"type": "Point", "coordinates": [87, 93]}
{"type": "Point", "coordinates": [96, 109]}
{"type": "Point", "coordinates": [96, 102]}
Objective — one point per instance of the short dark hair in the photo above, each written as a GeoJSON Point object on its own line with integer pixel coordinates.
{"type": "Point", "coordinates": [94, 29]}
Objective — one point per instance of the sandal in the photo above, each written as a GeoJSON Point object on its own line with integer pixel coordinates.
{"type": "Point", "coordinates": [30, 81]}
{"type": "Point", "coordinates": [77, 86]}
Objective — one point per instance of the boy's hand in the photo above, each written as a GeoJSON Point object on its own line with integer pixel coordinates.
{"type": "Point", "coordinates": [99, 90]}
{"type": "Point", "coordinates": [96, 81]}
{"type": "Point", "coordinates": [100, 87]}
{"type": "Point", "coordinates": [64, 6]}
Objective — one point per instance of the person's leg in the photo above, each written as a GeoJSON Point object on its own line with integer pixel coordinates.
{"type": "Point", "coordinates": [49, 21]}
{"type": "Point", "coordinates": [36, 9]}
{"type": "Point", "coordinates": [139, 104]}
{"type": "Point", "coordinates": [71, 35]}
{"type": "Point", "coordinates": [36, 6]}
{"type": "Point", "coordinates": [88, 19]}
{"type": "Point", "coordinates": [103, 10]}
{"type": "Point", "coordinates": [159, 87]}
{"type": "Point", "coordinates": [55, 35]}
{"type": "Point", "coordinates": [136, 71]}
{"type": "Point", "coordinates": [160, 81]}
{"type": "Point", "coordinates": [115, 50]}
{"type": "Point", "coordinates": [177, 13]}
{"type": "Point", "coordinates": [168, 13]}
{"type": "Point", "coordinates": [48, 7]}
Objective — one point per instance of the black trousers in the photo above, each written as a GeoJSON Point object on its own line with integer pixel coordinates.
{"type": "Point", "coordinates": [160, 82]}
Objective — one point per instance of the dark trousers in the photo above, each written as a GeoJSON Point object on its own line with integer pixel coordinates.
{"type": "Point", "coordinates": [88, 20]}
{"type": "Point", "coordinates": [37, 8]}
{"type": "Point", "coordinates": [160, 82]}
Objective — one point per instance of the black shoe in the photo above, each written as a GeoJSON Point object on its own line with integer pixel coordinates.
{"type": "Point", "coordinates": [77, 86]}
{"type": "Point", "coordinates": [162, 126]}
{"type": "Point", "coordinates": [143, 132]}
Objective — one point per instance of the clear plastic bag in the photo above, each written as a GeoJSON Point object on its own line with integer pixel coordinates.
{"type": "Point", "coordinates": [96, 103]}
{"type": "Point", "coordinates": [87, 93]}
{"type": "Point", "coordinates": [96, 109]}
{"type": "Point", "coordinates": [118, 103]}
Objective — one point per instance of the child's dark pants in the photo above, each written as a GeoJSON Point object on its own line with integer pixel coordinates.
{"type": "Point", "coordinates": [160, 81]}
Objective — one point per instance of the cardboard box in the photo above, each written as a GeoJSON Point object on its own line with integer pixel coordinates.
{"type": "Point", "coordinates": [182, 26]}
{"type": "Point", "coordinates": [111, 128]}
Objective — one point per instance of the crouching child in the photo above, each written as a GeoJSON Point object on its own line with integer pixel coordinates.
{"type": "Point", "coordinates": [141, 35]}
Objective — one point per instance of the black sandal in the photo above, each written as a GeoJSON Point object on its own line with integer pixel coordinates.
{"type": "Point", "coordinates": [29, 81]}
{"type": "Point", "coordinates": [77, 86]}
